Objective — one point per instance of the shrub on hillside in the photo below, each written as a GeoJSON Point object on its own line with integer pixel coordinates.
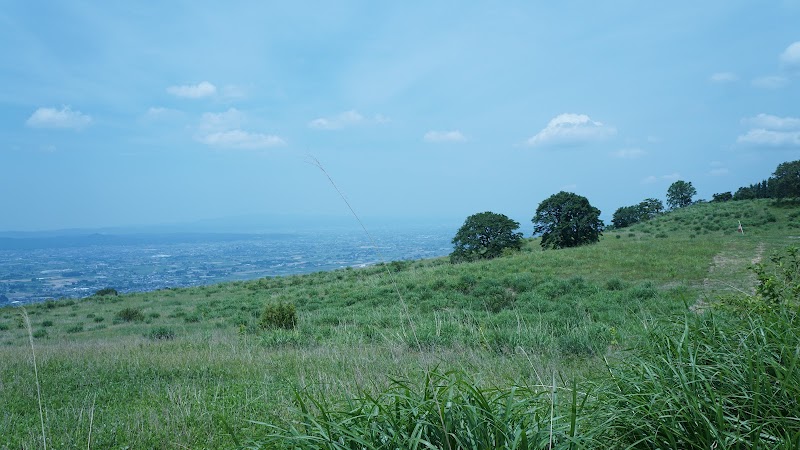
{"type": "Point", "coordinates": [129, 315]}
{"type": "Point", "coordinates": [40, 333]}
{"type": "Point", "coordinates": [106, 291]}
{"type": "Point", "coordinates": [779, 284]}
{"type": "Point", "coordinates": [278, 315]}
{"type": "Point", "coordinates": [77, 328]}
{"type": "Point", "coordinates": [161, 333]}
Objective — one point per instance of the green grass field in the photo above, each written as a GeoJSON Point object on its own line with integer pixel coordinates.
{"type": "Point", "coordinates": [534, 342]}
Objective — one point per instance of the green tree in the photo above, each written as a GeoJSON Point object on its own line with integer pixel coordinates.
{"type": "Point", "coordinates": [650, 208]}
{"type": "Point", "coordinates": [567, 220]}
{"type": "Point", "coordinates": [626, 216]}
{"type": "Point", "coordinates": [485, 235]}
{"type": "Point", "coordinates": [722, 197]}
{"type": "Point", "coordinates": [680, 194]}
{"type": "Point", "coordinates": [786, 179]}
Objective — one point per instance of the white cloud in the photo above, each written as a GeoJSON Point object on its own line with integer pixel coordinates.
{"type": "Point", "coordinates": [769, 138]}
{"type": "Point", "coordinates": [203, 89]}
{"type": "Point", "coordinates": [791, 56]}
{"type": "Point", "coordinates": [444, 136]}
{"type": "Point", "coordinates": [571, 129]}
{"type": "Point", "coordinates": [160, 113]}
{"type": "Point", "coordinates": [652, 178]}
{"type": "Point", "coordinates": [771, 131]}
{"type": "Point", "coordinates": [344, 120]}
{"type": "Point", "coordinates": [233, 92]}
{"type": "Point", "coordinates": [770, 82]}
{"type": "Point", "coordinates": [771, 122]}
{"type": "Point", "coordinates": [629, 153]}
{"type": "Point", "coordinates": [58, 118]}
{"type": "Point", "coordinates": [230, 119]}
{"type": "Point", "coordinates": [719, 171]}
{"type": "Point", "coordinates": [241, 139]}
{"type": "Point", "coordinates": [225, 130]}
{"type": "Point", "coordinates": [723, 77]}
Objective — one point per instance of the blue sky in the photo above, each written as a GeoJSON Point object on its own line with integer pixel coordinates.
{"type": "Point", "coordinates": [124, 113]}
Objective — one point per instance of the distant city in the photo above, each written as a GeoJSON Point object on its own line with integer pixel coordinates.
{"type": "Point", "coordinates": [35, 269]}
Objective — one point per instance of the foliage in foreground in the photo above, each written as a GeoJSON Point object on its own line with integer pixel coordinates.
{"type": "Point", "coordinates": [449, 411]}
{"type": "Point", "coordinates": [721, 382]}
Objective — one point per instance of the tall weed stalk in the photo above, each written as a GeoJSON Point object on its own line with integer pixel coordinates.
{"type": "Point", "coordinates": [36, 373]}
{"type": "Point", "coordinates": [393, 279]}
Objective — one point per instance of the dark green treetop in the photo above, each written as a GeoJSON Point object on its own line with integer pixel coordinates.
{"type": "Point", "coordinates": [722, 197]}
{"type": "Point", "coordinates": [680, 194]}
{"type": "Point", "coordinates": [629, 215]}
{"type": "Point", "coordinates": [567, 220]}
{"type": "Point", "coordinates": [485, 235]}
{"type": "Point", "coordinates": [787, 179]}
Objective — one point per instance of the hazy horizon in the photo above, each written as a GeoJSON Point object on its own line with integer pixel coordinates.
{"type": "Point", "coordinates": [118, 114]}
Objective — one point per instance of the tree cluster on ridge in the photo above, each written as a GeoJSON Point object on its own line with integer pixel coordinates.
{"type": "Point", "coordinates": [566, 219]}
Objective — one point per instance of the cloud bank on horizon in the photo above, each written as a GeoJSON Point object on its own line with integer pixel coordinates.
{"type": "Point", "coordinates": [174, 115]}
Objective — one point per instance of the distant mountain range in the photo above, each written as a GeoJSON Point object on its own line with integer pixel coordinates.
{"type": "Point", "coordinates": [35, 241]}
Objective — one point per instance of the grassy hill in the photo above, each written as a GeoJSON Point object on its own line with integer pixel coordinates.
{"type": "Point", "coordinates": [192, 368]}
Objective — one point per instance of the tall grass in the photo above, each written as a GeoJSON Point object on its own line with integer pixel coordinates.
{"type": "Point", "coordinates": [711, 381]}
{"type": "Point", "coordinates": [447, 411]}
{"type": "Point", "coordinates": [718, 380]}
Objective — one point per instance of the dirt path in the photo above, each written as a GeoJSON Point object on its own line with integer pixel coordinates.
{"type": "Point", "coordinates": [729, 273]}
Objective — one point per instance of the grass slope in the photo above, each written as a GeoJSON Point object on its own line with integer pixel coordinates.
{"type": "Point", "coordinates": [190, 368]}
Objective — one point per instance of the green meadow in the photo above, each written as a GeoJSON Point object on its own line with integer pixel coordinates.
{"type": "Point", "coordinates": [652, 338]}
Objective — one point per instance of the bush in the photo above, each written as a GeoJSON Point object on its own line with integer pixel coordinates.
{"type": "Point", "coordinates": [192, 318]}
{"type": "Point", "coordinates": [615, 284]}
{"type": "Point", "coordinates": [47, 323]}
{"type": "Point", "coordinates": [161, 333]}
{"type": "Point", "coordinates": [779, 284]}
{"type": "Point", "coordinates": [278, 315]}
{"type": "Point", "coordinates": [77, 328]}
{"type": "Point", "coordinates": [106, 291]}
{"type": "Point", "coordinates": [129, 315]}
{"type": "Point", "coordinates": [41, 333]}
